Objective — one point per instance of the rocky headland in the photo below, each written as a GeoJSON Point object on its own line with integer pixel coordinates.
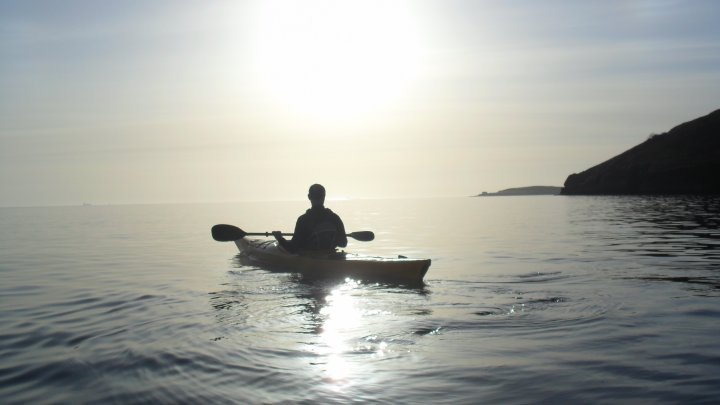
{"type": "Point", "coordinates": [531, 190]}
{"type": "Point", "coordinates": [684, 160]}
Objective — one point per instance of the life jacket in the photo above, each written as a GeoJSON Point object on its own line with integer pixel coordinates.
{"type": "Point", "coordinates": [323, 233]}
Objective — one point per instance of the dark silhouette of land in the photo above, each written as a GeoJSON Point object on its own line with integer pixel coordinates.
{"type": "Point", "coordinates": [685, 160]}
{"type": "Point", "coordinates": [532, 190]}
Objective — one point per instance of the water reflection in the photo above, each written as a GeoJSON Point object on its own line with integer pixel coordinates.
{"type": "Point", "coordinates": [341, 315]}
{"type": "Point", "coordinates": [343, 327]}
{"type": "Point", "coordinates": [343, 319]}
{"type": "Point", "coordinates": [661, 225]}
{"type": "Point", "coordinates": [672, 238]}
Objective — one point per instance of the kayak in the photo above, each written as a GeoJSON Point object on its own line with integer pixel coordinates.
{"type": "Point", "coordinates": [269, 254]}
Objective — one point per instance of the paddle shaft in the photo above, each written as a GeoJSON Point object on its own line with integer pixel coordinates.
{"type": "Point", "coordinates": [356, 235]}
{"type": "Point", "coordinates": [267, 234]}
{"type": "Point", "coordinates": [228, 233]}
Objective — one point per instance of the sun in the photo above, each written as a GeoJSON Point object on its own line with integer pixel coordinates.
{"type": "Point", "coordinates": [332, 58]}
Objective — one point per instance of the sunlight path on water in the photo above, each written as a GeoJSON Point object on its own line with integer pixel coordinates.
{"type": "Point", "coordinates": [343, 317]}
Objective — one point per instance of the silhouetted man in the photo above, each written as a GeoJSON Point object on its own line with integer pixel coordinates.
{"type": "Point", "coordinates": [317, 230]}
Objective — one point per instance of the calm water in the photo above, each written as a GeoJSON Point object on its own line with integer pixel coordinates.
{"type": "Point", "coordinates": [528, 300]}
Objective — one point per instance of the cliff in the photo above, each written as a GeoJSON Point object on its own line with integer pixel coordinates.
{"type": "Point", "coordinates": [685, 160]}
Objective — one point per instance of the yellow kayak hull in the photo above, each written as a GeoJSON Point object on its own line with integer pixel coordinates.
{"type": "Point", "coordinates": [268, 254]}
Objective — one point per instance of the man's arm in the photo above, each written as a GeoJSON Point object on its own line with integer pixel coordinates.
{"type": "Point", "coordinates": [294, 244]}
{"type": "Point", "coordinates": [340, 237]}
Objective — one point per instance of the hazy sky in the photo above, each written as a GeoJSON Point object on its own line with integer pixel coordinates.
{"type": "Point", "coordinates": [189, 101]}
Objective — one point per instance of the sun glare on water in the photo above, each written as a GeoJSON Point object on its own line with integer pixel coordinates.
{"type": "Point", "coordinates": [335, 59]}
{"type": "Point", "coordinates": [344, 319]}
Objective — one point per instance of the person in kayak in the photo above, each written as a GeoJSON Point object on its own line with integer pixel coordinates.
{"type": "Point", "coordinates": [317, 230]}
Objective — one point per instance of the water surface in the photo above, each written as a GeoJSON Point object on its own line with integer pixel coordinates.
{"type": "Point", "coordinates": [528, 299]}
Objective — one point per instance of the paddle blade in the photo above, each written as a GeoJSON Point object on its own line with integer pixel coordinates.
{"type": "Point", "coordinates": [363, 236]}
{"type": "Point", "coordinates": [227, 233]}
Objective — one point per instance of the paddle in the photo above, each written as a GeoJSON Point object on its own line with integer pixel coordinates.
{"type": "Point", "coordinates": [230, 233]}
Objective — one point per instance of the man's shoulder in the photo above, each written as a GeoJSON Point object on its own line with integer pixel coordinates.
{"type": "Point", "coordinates": [333, 215]}
{"type": "Point", "coordinates": [307, 216]}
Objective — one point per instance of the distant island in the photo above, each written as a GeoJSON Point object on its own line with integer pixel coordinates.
{"type": "Point", "coordinates": [531, 190]}
{"type": "Point", "coordinates": [684, 160]}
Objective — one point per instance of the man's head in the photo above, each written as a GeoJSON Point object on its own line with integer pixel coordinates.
{"type": "Point", "coordinates": [316, 194]}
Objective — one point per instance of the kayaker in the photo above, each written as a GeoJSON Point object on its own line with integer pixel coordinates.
{"type": "Point", "coordinates": [317, 230]}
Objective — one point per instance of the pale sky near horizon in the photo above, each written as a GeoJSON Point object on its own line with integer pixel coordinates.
{"type": "Point", "coordinates": [210, 101]}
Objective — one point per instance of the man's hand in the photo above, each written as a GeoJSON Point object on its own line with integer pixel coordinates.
{"type": "Point", "coordinates": [285, 244]}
